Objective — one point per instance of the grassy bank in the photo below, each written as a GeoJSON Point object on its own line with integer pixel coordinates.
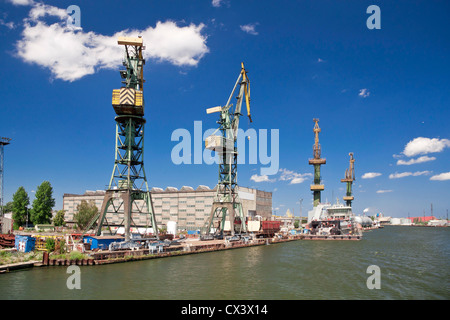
{"type": "Point", "coordinates": [9, 257]}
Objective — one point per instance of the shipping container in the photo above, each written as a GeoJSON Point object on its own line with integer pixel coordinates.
{"type": "Point", "coordinates": [101, 242]}
{"type": "Point", "coordinates": [24, 243]}
{"type": "Point", "coordinates": [271, 226]}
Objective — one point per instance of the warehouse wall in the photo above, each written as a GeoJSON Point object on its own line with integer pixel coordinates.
{"type": "Point", "coordinates": [188, 207]}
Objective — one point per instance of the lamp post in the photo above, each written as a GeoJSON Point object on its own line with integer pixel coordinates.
{"type": "Point", "coordinates": [300, 220]}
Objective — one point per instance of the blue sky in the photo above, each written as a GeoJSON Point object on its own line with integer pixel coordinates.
{"type": "Point", "coordinates": [382, 94]}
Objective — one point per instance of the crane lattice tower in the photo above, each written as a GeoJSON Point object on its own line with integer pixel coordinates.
{"type": "Point", "coordinates": [349, 178]}
{"type": "Point", "coordinates": [317, 161]}
{"type": "Point", "coordinates": [227, 199]}
{"type": "Point", "coordinates": [128, 191]}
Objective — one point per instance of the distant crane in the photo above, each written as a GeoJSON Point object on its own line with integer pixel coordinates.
{"type": "Point", "coordinates": [3, 142]}
{"type": "Point", "coordinates": [225, 145]}
{"type": "Point", "coordinates": [349, 178]}
{"type": "Point", "coordinates": [317, 161]}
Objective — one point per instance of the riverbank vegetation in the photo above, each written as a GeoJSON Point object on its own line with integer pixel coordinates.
{"type": "Point", "coordinates": [10, 257]}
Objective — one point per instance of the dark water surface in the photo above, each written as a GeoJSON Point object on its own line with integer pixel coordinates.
{"type": "Point", "coordinates": [414, 263]}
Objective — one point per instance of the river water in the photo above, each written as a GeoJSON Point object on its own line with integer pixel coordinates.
{"type": "Point", "coordinates": [414, 263]}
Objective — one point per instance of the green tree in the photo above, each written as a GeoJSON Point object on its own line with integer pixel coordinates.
{"type": "Point", "coordinates": [8, 207]}
{"type": "Point", "coordinates": [58, 220]}
{"type": "Point", "coordinates": [86, 211]}
{"type": "Point", "coordinates": [41, 213]}
{"type": "Point", "coordinates": [20, 207]}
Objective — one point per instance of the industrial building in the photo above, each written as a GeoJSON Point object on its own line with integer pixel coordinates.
{"type": "Point", "coordinates": [188, 207]}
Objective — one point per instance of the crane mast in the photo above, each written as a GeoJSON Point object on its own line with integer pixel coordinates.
{"type": "Point", "coordinates": [317, 161]}
{"type": "Point", "coordinates": [225, 145]}
{"type": "Point", "coordinates": [349, 178]}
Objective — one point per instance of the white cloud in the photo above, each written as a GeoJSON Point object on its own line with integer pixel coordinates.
{"type": "Point", "coordinates": [370, 175]}
{"type": "Point", "coordinates": [384, 191]}
{"type": "Point", "coordinates": [21, 2]}
{"type": "Point", "coordinates": [364, 93]}
{"type": "Point", "coordinates": [71, 53]}
{"type": "Point", "coordinates": [262, 178]}
{"type": "Point", "coordinates": [250, 28]}
{"type": "Point", "coordinates": [441, 177]}
{"type": "Point", "coordinates": [293, 177]}
{"type": "Point", "coordinates": [423, 145]}
{"type": "Point", "coordinates": [320, 60]}
{"type": "Point", "coordinates": [216, 3]}
{"type": "Point", "coordinates": [406, 174]}
{"type": "Point", "coordinates": [9, 25]}
{"type": "Point", "coordinates": [415, 161]}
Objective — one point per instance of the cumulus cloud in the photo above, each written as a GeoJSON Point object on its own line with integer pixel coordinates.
{"type": "Point", "coordinates": [370, 175]}
{"type": "Point", "coordinates": [423, 145]}
{"type": "Point", "coordinates": [250, 28]}
{"type": "Point", "coordinates": [21, 2]}
{"type": "Point", "coordinates": [441, 177]}
{"type": "Point", "coordinates": [407, 174]}
{"type": "Point", "coordinates": [262, 178]}
{"type": "Point", "coordinates": [364, 93]}
{"type": "Point", "coordinates": [71, 53]}
{"type": "Point", "coordinates": [216, 3]}
{"type": "Point", "coordinates": [293, 177]}
{"type": "Point", "coordinates": [415, 161]}
{"type": "Point", "coordinates": [384, 191]}
{"type": "Point", "coordinates": [9, 25]}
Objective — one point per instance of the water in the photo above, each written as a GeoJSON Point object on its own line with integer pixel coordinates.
{"type": "Point", "coordinates": [414, 264]}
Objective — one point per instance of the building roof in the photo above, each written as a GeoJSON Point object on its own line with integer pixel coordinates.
{"type": "Point", "coordinates": [423, 219]}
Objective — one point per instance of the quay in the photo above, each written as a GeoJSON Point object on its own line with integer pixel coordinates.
{"type": "Point", "coordinates": [188, 247]}
{"type": "Point", "coordinates": [17, 266]}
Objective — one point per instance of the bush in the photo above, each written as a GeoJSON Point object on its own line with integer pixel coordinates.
{"type": "Point", "coordinates": [50, 245]}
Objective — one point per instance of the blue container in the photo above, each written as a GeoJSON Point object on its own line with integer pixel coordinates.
{"type": "Point", "coordinates": [193, 232]}
{"type": "Point", "coordinates": [24, 243]}
{"type": "Point", "coordinates": [102, 242]}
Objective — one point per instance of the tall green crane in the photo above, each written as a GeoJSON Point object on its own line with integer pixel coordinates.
{"type": "Point", "coordinates": [225, 145]}
{"type": "Point", "coordinates": [128, 190]}
{"type": "Point", "coordinates": [349, 178]}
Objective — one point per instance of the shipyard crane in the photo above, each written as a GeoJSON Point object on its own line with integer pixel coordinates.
{"type": "Point", "coordinates": [225, 145]}
{"type": "Point", "coordinates": [317, 161]}
{"type": "Point", "coordinates": [128, 190]}
{"type": "Point", "coordinates": [349, 178]}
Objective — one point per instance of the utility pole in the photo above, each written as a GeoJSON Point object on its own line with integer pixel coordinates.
{"type": "Point", "coordinates": [300, 220]}
{"type": "Point", "coordinates": [3, 142]}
